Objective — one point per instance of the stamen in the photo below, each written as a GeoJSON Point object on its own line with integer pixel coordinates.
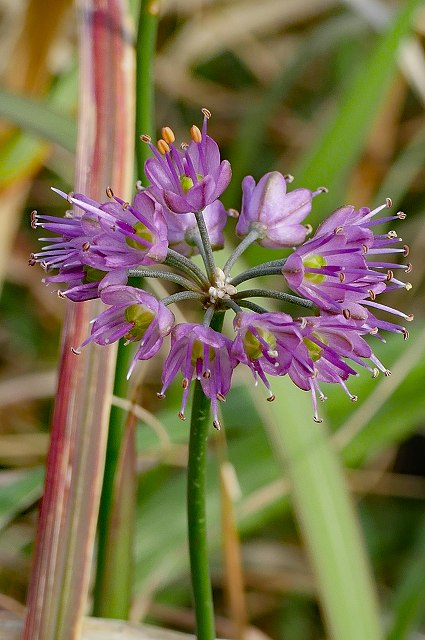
{"type": "Point", "coordinates": [185, 383]}
{"type": "Point", "coordinates": [217, 425]}
{"type": "Point", "coordinates": [233, 213]}
{"type": "Point", "coordinates": [406, 250]}
{"type": "Point", "coordinates": [390, 275]}
{"type": "Point", "coordinates": [168, 134]}
{"type": "Point", "coordinates": [387, 373]}
{"type": "Point", "coordinates": [160, 395]}
{"type": "Point", "coordinates": [317, 419]}
{"type": "Point", "coordinates": [207, 113]}
{"type": "Point", "coordinates": [76, 352]}
{"type": "Point", "coordinates": [220, 397]}
{"type": "Point", "coordinates": [405, 334]}
{"type": "Point", "coordinates": [271, 398]}
{"type": "Point", "coordinates": [32, 261]}
{"type": "Point", "coordinates": [288, 178]}
{"type": "Point", "coordinates": [195, 134]}
{"type": "Point", "coordinates": [346, 313]}
{"type": "Point", "coordinates": [342, 277]}
{"type": "Point", "coordinates": [389, 202]}
{"type": "Point", "coordinates": [408, 267]}
{"type": "Point", "coordinates": [353, 398]}
{"type": "Point", "coordinates": [401, 215]}
{"type": "Point", "coordinates": [145, 138]}
{"type": "Point", "coordinates": [86, 246]}
{"type": "Point", "coordinates": [109, 192]}
{"type": "Point", "coordinates": [408, 286]}
{"type": "Point", "coordinates": [34, 219]}
{"type": "Point", "coordinates": [206, 374]}
{"type": "Point", "coordinates": [375, 373]}
{"type": "Point", "coordinates": [184, 146]}
{"type": "Point", "coordinates": [181, 416]}
{"type": "Point", "coordinates": [392, 234]}
{"type": "Point", "coordinates": [162, 146]}
{"type": "Point", "coordinates": [372, 294]}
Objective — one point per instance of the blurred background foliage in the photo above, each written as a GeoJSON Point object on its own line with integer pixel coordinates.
{"type": "Point", "coordinates": [320, 89]}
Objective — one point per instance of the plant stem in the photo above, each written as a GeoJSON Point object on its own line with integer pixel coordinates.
{"type": "Point", "coordinates": [196, 508]}
{"type": "Point", "coordinates": [145, 98]}
{"type": "Point", "coordinates": [182, 295]}
{"type": "Point", "coordinates": [164, 275]}
{"type": "Point", "coordinates": [207, 254]}
{"type": "Point", "coordinates": [277, 295]}
{"type": "Point", "coordinates": [188, 267]}
{"type": "Point", "coordinates": [267, 269]}
{"type": "Point", "coordinates": [238, 251]}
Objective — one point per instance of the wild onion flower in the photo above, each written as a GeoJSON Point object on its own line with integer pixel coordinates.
{"type": "Point", "coordinates": [134, 315]}
{"type": "Point", "coordinates": [187, 179]}
{"type": "Point", "coordinates": [338, 275]}
{"type": "Point", "coordinates": [272, 213]}
{"type": "Point", "coordinates": [199, 353]}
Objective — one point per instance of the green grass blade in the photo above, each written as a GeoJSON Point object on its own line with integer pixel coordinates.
{"type": "Point", "coordinates": [39, 118]}
{"type": "Point", "coordinates": [325, 515]}
{"type": "Point", "coordinates": [18, 490]}
{"type": "Point", "coordinates": [409, 601]}
{"type": "Point", "coordinates": [340, 145]}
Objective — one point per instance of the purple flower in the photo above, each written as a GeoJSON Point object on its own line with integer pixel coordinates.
{"type": "Point", "coordinates": [182, 229]}
{"type": "Point", "coordinates": [331, 340]}
{"type": "Point", "coordinates": [123, 235]}
{"type": "Point", "coordinates": [268, 343]}
{"type": "Point", "coordinates": [187, 180]}
{"type": "Point", "coordinates": [199, 353]}
{"type": "Point", "coordinates": [275, 214]}
{"type": "Point", "coordinates": [134, 315]}
{"type": "Point", "coordinates": [68, 249]}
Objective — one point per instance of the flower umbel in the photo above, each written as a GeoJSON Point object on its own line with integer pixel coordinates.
{"type": "Point", "coordinates": [338, 275]}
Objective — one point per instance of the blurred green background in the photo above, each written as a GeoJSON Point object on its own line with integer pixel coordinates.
{"type": "Point", "coordinates": [320, 89]}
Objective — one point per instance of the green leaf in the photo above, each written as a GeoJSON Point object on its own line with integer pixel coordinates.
{"type": "Point", "coordinates": [339, 147]}
{"type": "Point", "coordinates": [18, 490]}
{"type": "Point", "coordinates": [39, 118]}
{"type": "Point", "coordinates": [409, 599]}
{"type": "Point", "coordinates": [325, 514]}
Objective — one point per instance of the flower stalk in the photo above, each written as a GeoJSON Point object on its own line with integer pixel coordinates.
{"type": "Point", "coordinates": [196, 508]}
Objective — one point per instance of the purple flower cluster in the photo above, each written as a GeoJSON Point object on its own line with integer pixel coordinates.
{"type": "Point", "coordinates": [100, 248]}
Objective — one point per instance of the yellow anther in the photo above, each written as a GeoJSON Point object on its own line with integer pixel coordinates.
{"type": "Point", "coordinates": [163, 147]}
{"type": "Point", "coordinates": [168, 134]}
{"type": "Point", "coordinates": [195, 134]}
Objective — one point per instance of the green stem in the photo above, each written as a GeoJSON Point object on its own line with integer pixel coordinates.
{"type": "Point", "coordinates": [112, 590]}
{"type": "Point", "coordinates": [188, 267]}
{"type": "Point", "coordinates": [251, 237]}
{"type": "Point", "coordinates": [145, 102]}
{"type": "Point", "coordinates": [163, 275]}
{"type": "Point", "coordinates": [196, 508]}
{"type": "Point", "coordinates": [182, 295]}
{"type": "Point", "coordinates": [207, 254]}
{"type": "Point", "coordinates": [277, 295]}
{"type": "Point", "coordinates": [267, 269]}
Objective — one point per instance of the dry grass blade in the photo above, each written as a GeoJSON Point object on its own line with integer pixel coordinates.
{"type": "Point", "coordinates": [58, 589]}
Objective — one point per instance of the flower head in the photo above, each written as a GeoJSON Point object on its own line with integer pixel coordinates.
{"type": "Point", "coordinates": [134, 315]}
{"type": "Point", "coordinates": [189, 179]}
{"type": "Point", "coordinates": [203, 354]}
{"type": "Point", "coordinates": [275, 214]}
